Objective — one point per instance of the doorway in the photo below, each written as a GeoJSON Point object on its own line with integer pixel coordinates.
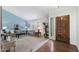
{"type": "Point", "coordinates": [63, 28]}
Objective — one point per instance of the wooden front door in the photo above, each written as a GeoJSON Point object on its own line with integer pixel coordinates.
{"type": "Point", "coordinates": [62, 29]}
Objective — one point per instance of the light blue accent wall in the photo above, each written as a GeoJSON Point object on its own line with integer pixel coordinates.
{"type": "Point", "coordinates": [9, 19]}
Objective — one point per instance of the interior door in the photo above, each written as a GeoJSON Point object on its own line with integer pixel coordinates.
{"type": "Point", "coordinates": [62, 29]}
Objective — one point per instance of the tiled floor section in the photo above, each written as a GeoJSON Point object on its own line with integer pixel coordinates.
{"type": "Point", "coordinates": [56, 46]}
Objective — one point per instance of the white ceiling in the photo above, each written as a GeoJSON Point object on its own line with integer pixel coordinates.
{"type": "Point", "coordinates": [29, 12]}
{"type": "Point", "coordinates": [34, 12]}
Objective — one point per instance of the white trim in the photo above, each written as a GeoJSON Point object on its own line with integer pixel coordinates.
{"type": "Point", "coordinates": [49, 27]}
{"type": "Point", "coordinates": [54, 34]}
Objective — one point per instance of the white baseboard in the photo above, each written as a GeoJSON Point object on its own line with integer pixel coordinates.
{"type": "Point", "coordinates": [52, 37]}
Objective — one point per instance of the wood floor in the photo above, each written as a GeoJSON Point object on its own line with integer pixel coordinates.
{"type": "Point", "coordinates": [56, 46]}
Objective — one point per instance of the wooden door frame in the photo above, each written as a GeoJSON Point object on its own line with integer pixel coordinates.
{"type": "Point", "coordinates": [56, 27]}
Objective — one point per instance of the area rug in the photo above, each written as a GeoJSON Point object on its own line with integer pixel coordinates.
{"type": "Point", "coordinates": [29, 43]}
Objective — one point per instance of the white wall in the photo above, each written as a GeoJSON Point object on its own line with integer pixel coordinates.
{"type": "Point", "coordinates": [67, 11]}
{"type": "Point", "coordinates": [0, 17]}
{"type": "Point", "coordinates": [77, 27]}
{"type": "Point", "coordinates": [0, 23]}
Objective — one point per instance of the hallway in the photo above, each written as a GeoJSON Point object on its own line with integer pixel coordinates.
{"type": "Point", "coordinates": [56, 46]}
